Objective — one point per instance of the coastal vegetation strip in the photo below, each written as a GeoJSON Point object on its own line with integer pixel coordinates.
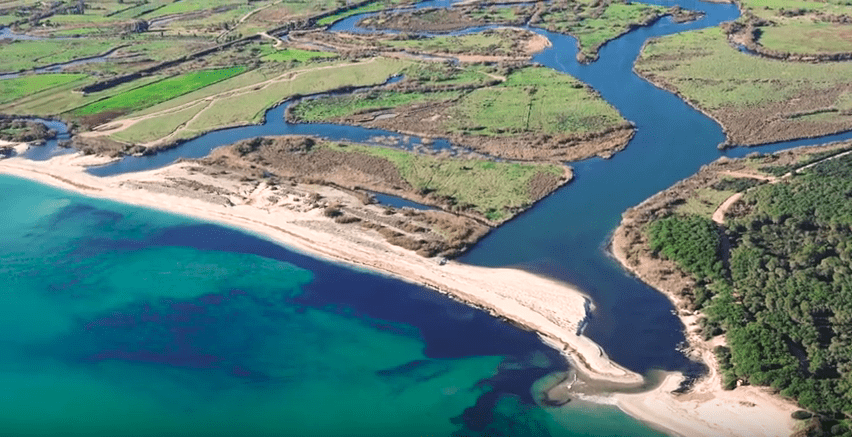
{"type": "Point", "coordinates": [470, 194]}
{"type": "Point", "coordinates": [757, 100]}
{"type": "Point", "coordinates": [774, 279]}
{"type": "Point", "coordinates": [487, 189]}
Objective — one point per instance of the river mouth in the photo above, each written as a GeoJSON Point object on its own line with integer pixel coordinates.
{"type": "Point", "coordinates": [568, 231]}
{"type": "Point", "coordinates": [565, 236]}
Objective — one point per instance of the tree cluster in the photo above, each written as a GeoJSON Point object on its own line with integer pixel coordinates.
{"type": "Point", "coordinates": [784, 300]}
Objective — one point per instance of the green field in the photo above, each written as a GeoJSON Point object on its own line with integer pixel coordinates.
{"type": "Point", "coordinates": [16, 88]}
{"type": "Point", "coordinates": [593, 27]}
{"type": "Point", "coordinates": [157, 128]}
{"type": "Point", "coordinates": [439, 74]}
{"type": "Point", "coordinates": [296, 55]}
{"type": "Point", "coordinates": [496, 190]}
{"type": "Point", "coordinates": [808, 38]}
{"type": "Point", "coordinates": [341, 106]}
{"type": "Point", "coordinates": [250, 104]}
{"type": "Point", "coordinates": [250, 107]}
{"type": "Point", "coordinates": [801, 26]}
{"type": "Point", "coordinates": [533, 100]}
{"type": "Point", "coordinates": [25, 55]}
{"type": "Point", "coordinates": [736, 87]}
{"type": "Point", "coordinates": [157, 92]}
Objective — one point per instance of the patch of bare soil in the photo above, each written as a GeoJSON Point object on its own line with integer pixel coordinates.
{"type": "Point", "coordinates": [298, 165]}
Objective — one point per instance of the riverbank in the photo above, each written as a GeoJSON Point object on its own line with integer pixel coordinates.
{"type": "Point", "coordinates": [707, 400]}
{"type": "Point", "coordinates": [552, 309]}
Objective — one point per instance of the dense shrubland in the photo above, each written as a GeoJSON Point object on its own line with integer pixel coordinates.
{"type": "Point", "coordinates": [782, 291]}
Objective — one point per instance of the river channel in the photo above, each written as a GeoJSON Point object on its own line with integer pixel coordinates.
{"type": "Point", "coordinates": [563, 236]}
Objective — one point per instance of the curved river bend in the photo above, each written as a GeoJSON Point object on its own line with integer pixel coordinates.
{"type": "Point", "coordinates": [562, 236]}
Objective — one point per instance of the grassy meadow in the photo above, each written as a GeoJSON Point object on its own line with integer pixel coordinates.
{"type": "Point", "coordinates": [494, 190]}
{"type": "Point", "coordinates": [342, 106]}
{"type": "Point", "coordinates": [594, 26]}
{"type": "Point", "coordinates": [792, 99]}
{"type": "Point", "coordinates": [16, 88]}
{"type": "Point", "coordinates": [157, 92]}
{"type": "Point", "coordinates": [801, 26]}
{"type": "Point", "coordinates": [532, 100]}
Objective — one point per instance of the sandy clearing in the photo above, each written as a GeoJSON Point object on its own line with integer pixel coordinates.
{"type": "Point", "coordinates": [719, 213]}
{"type": "Point", "coordinates": [708, 411]}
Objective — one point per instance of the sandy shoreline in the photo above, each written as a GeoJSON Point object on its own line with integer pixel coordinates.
{"type": "Point", "coordinates": [548, 307]}
{"type": "Point", "coordinates": [711, 410]}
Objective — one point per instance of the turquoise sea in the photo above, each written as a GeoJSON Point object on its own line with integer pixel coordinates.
{"type": "Point", "coordinates": [122, 321]}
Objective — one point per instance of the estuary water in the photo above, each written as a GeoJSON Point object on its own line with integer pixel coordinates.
{"type": "Point", "coordinates": [122, 321]}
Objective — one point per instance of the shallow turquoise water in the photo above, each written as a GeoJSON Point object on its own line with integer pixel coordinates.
{"type": "Point", "coordinates": [123, 321]}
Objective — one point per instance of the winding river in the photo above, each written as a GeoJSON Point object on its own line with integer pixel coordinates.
{"type": "Point", "coordinates": [563, 236]}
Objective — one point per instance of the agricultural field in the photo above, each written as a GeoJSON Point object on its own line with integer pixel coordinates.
{"type": "Point", "coordinates": [160, 91]}
{"type": "Point", "coordinates": [241, 99]}
{"type": "Point", "coordinates": [757, 100]}
{"type": "Point", "coordinates": [795, 30]}
{"type": "Point", "coordinates": [16, 88]}
{"type": "Point", "coordinates": [530, 113]}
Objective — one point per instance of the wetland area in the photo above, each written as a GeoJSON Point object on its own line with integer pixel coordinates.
{"type": "Point", "coordinates": [234, 218]}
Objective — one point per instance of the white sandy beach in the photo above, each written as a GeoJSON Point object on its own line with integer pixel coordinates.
{"type": "Point", "coordinates": [550, 308]}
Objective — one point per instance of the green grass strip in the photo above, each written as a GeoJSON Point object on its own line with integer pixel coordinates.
{"type": "Point", "coordinates": [161, 91]}
{"type": "Point", "coordinates": [13, 89]}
